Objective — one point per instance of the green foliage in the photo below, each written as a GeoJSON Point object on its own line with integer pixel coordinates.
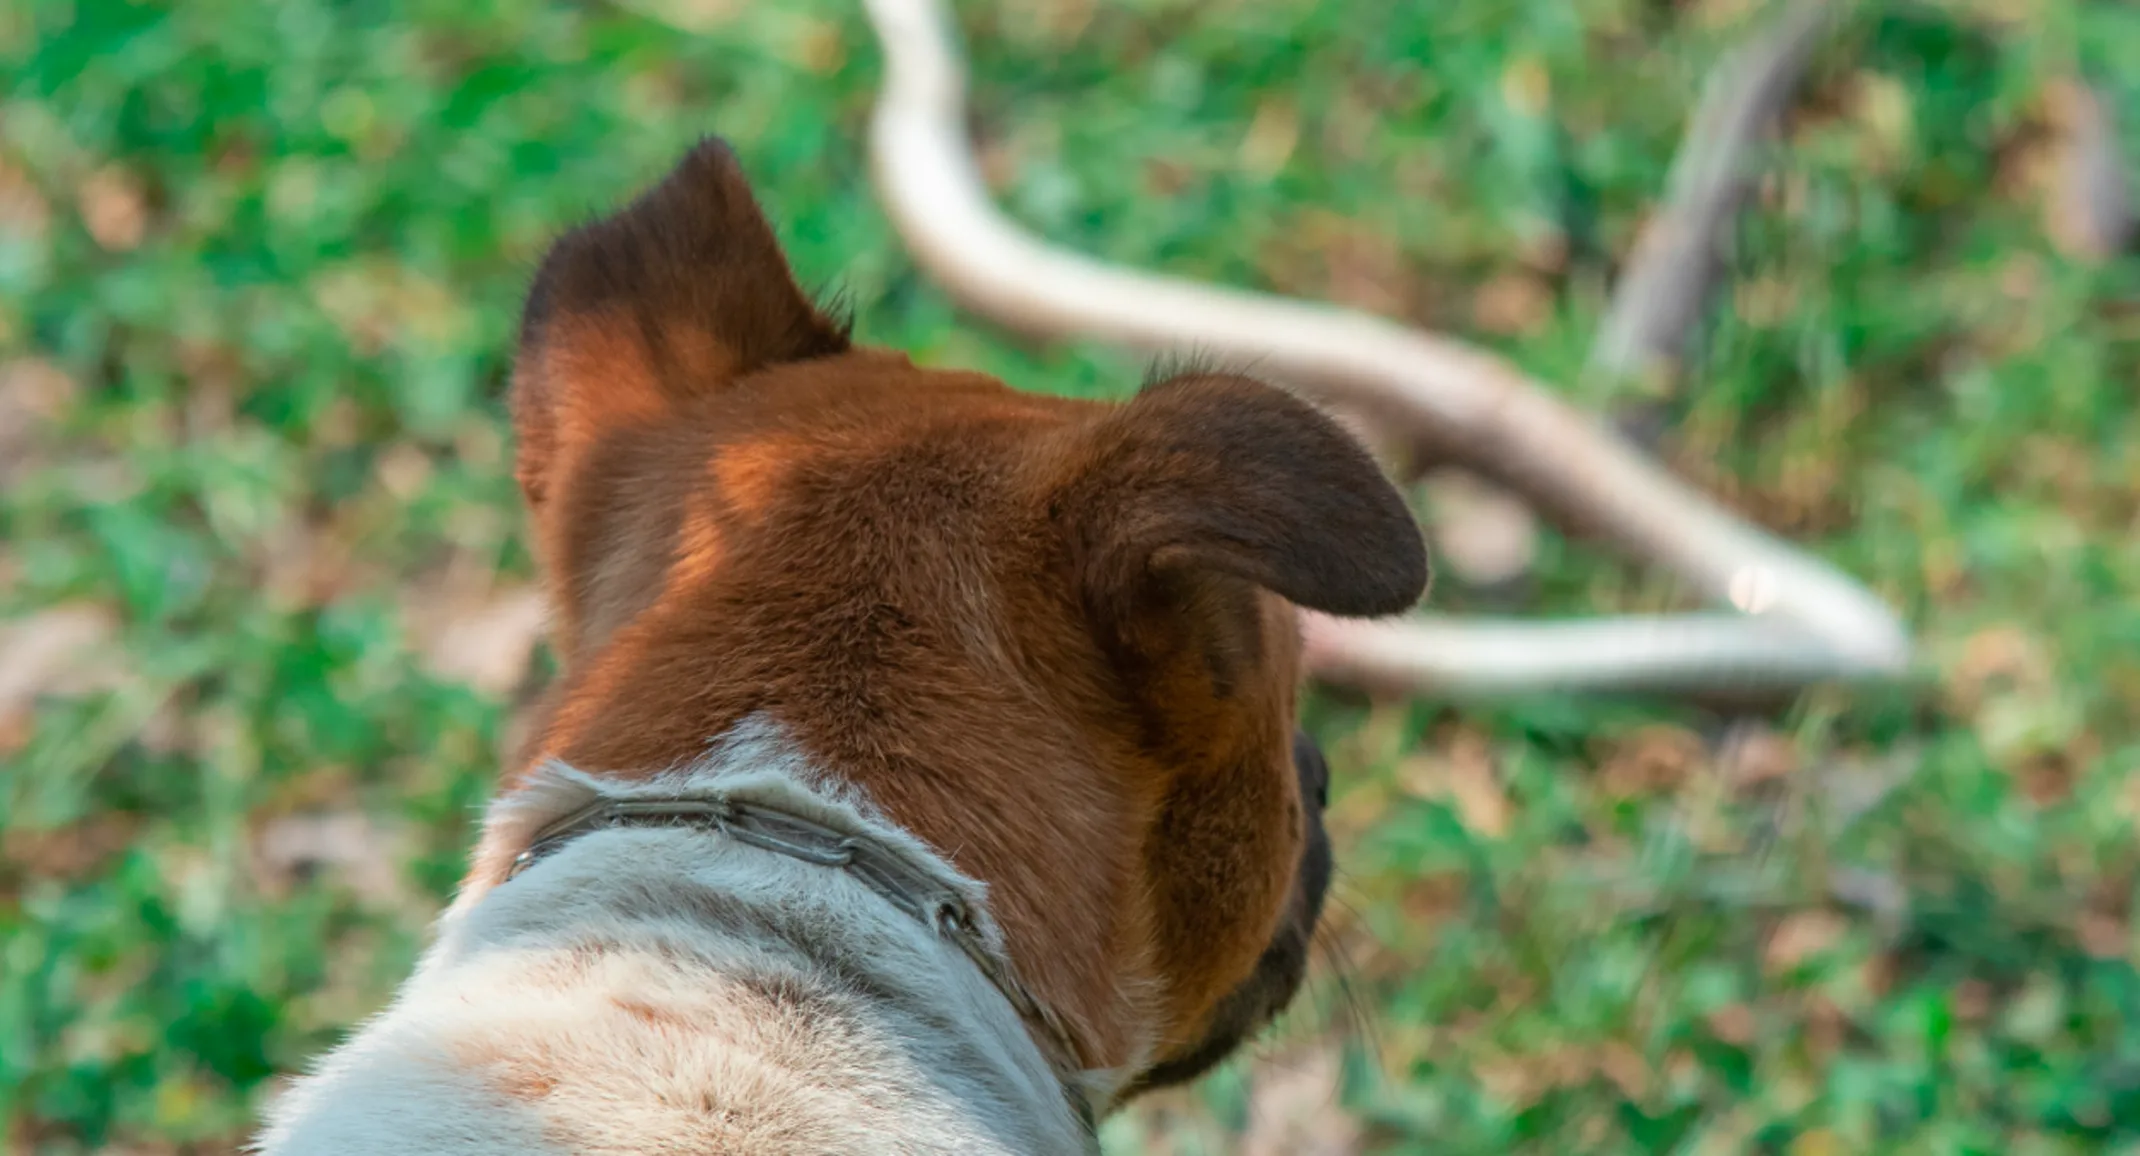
{"type": "Point", "coordinates": [259, 267]}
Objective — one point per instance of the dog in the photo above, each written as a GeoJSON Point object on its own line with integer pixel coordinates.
{"type": "Point", "coordinates": [921, 773]}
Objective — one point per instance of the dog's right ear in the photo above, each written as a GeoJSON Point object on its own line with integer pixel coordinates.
{"type": "Point", "coordinates": [631, 318]}
{"type": "Point", "coordinates": [1224, 474]}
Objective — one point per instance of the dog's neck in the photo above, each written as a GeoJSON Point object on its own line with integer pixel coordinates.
{"type": "Point", "coordinates": [645, 989]}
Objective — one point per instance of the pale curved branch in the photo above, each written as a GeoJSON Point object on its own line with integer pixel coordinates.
{"type": "Point", "coordinates": [1716, 654]}
{"type": "Point", "coordinates": [1816, 623]}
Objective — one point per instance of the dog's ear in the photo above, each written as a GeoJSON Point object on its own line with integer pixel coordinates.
{"type": "Point", "coordinates": [635, 314]}
{"type": "Point", "coordinates": [1224, 474]}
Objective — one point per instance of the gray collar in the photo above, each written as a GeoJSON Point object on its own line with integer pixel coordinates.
{"type": "Point", "coordinates": [889, 873]}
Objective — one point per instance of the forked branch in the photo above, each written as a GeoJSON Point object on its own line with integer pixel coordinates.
{"type": "Point", "coordinates": [1805, 621]}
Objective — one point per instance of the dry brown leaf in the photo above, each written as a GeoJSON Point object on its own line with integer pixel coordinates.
{"type": "Point", "coordinates": [1755, 754]}
{"type": "Point", "coordinates": [1652, 759]}
{"type": "Point", "coordinates": [2021, 278]}
{"type": "Point", "coordinates": [2103, 936]}
{"type": "Point", "coordinates": [1365, 271]}
{"type": "Point", "coordinates": [32, 391]}
{"type": "Point", "coordinates": [1522, 1079]}
{"type": "Point", "coordinates": [1878, 974]}
{"type": "Point", "coordinates": [1162, 176]}
{"type": "Point", "coordinates": [1463, 773]}
{"type": "Point", "coordinates": [487, 645]}
{"type": "Point", "coordinates": [71, 852]}
{"type": "Point", "coordinates": [303, 565]}
{"type": "Point", "coordinates": [1825, 1024]}
{"type": "Point", "coordinates": [23, 210]}
{"type": "Point", "coordinates": [213, 373]}
{"type": "Point", "coordinates": [1802, 935]}
{"type": "Point", "coordinates": [1171, 1122]}
{"type": "Point", "coordinates": [1294, 1108]}
{"type": "Point", "coordinates": [1483, 535]}
{"type": "Point", "coordinates": [1431, 901]}
{"type": "Point", "coordinates": [358, 852]}
{"type": "Point", "coordinates": [114, 209]}
{"type": "Point", "coordinates": [1476, 784]}
{"type": "Point", "coordinates": [56, 651]}
{"type": "Point", "coordinates": [1620, 1063]}
{"type": "Point", "coordinates": [1998, 659]}
{"type": "Point", "coordinates": [1513, 304]}
{"type": "Point", "coordinates": [403, 470]}
{"type": "Point", "coordinates": [1358, 810]}
{"type": "Point", "coordinates": [1734, 1024]}
{"type": "Point", "coordinates": [2046, 777]}
{"type": "Point", "coordinates": [1971, 1001]}
{"type": "Point", "coordinates": [1513, 1080]}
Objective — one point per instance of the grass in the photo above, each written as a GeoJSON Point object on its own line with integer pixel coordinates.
{"type": "Point", "coordinates": [259, 264]}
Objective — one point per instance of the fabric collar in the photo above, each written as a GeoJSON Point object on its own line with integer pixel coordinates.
{"type": "Point", "coordinates": [888, 871]}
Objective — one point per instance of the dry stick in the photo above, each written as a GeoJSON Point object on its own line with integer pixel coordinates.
{"type": "Point", "coordinates": [1679, 254]}
{"type": "Point", "coordinates": [1814, 623]}
{"type": "Point", "coordinates": [1677, 257]}
{"type": "Point", "coordinates": [2089, 210]}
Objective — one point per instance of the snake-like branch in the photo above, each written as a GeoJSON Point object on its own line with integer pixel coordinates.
{"type": "Point", "coordinates": [1802, 620]}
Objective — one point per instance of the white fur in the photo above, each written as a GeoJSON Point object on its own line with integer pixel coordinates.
{"type": "Point", "coordinates": [648, 990]}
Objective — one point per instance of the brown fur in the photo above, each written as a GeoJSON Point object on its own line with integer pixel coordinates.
{"type": "Point", "coordinates": [1052, 638]}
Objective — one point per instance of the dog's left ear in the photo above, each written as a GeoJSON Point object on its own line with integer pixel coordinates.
{"type": "Point", "coordinates": [633, 315]}
{"type": "Point", "coordinates": [630, 320]}
{"type": "Point", "coordinates": [1224, 474]}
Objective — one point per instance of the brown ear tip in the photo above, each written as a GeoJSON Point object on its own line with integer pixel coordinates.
{"type": "Point", "coordinates": [1388, 567]}
{"type": "Point", "coordinates": [1414, 569]}
{"type": "Point", "coordinates": [1388, 577]}
{"type": "Point", "coordinates": [711, 158]}
{"type": "Point", "coordinates": [1392, 554]}
{"type": "Point", "coordinates": [706, 188]}
{"type": "Point", "coordinates": [712, 147]}
{"type": "Point", "coordinates": [1224, 472]}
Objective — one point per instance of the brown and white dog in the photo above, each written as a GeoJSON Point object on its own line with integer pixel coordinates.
{"type": "Point", "coordinates": [922, 775]}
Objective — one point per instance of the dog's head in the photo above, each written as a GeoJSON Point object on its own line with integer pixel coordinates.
{"type": "Point", "coordinates": [1054, 639]}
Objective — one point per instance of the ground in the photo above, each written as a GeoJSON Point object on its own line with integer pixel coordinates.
{"type": "Point", "coordinates": [266, 602]}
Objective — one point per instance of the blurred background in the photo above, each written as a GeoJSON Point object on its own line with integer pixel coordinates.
{"type": "Point", "coordinates": [266, 610]}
